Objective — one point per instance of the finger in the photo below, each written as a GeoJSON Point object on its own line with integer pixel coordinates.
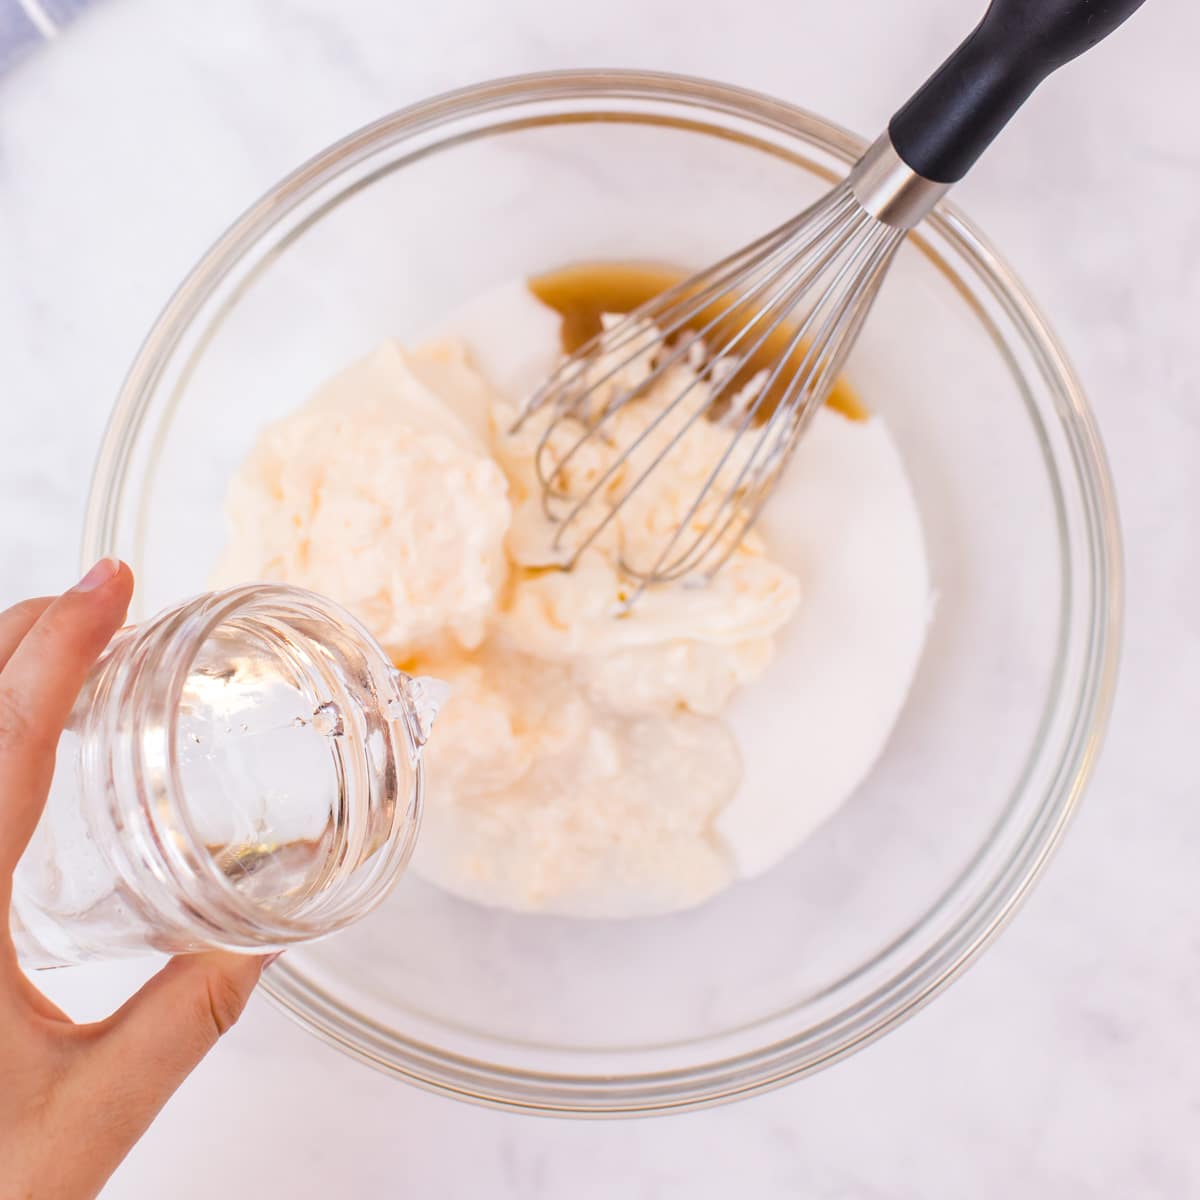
{"type": "Point", "coordinates": [16, 622]}
{"type": "Point", "coordinates": [120, 1072]}
{"type": "Point", "coordinates": [157, 1037]}
{"type": "Point", "coordinates": [38, 686]}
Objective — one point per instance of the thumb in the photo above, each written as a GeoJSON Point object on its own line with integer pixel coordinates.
{"type": "Point", "coordinates": [146, 1049]}
{"type": "Point", "coordinates": [125, 1069]}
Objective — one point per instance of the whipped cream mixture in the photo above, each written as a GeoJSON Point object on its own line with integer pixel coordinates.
{"type": "Point", "coordinates": [586, 764]}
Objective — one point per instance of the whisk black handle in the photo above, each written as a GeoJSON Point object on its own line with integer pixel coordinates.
{"type": "Point", "coordinates": [949, 123]}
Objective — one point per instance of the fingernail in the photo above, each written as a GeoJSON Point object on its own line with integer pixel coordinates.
{"type": "Point", "coordinates": [99, 575]}
{"type": "Point", "coordinates": [268, 959]}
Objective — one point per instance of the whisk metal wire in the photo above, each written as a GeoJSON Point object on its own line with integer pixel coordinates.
{"type": "Point", "coordinates": [814, 277]}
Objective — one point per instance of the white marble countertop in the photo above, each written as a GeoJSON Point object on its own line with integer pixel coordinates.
{"type": "Point", "coordinates": [1064, 1064]}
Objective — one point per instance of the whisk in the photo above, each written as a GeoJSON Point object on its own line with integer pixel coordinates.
{"type": "Point", "coordinates": [810, 282]}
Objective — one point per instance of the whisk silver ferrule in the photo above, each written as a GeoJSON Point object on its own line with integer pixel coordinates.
{"type": "Point", "coordinates": [889, 189]}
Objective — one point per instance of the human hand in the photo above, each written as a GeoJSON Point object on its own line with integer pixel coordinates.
{"type": "Point", "coordinates": [75, 1098]}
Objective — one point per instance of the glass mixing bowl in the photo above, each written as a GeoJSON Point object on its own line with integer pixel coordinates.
{"type": "Point", "coordinates": [398, 224]}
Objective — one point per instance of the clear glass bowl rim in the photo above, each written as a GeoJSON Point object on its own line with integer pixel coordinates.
{"type": "Point", "coordinates": [787, 1059]}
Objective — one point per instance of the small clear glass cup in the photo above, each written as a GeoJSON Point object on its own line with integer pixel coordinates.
{"type": "Point", "coordinates": [241, 772]}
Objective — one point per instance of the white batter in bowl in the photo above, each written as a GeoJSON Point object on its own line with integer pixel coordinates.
{"type": "Point", "coordinates": [581, 766]}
